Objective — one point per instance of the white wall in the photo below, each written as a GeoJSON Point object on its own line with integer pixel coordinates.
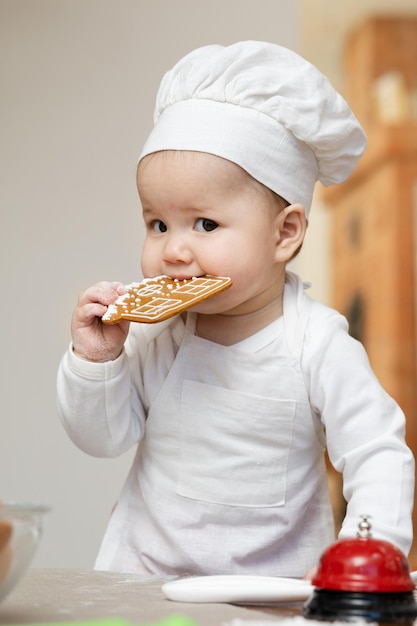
{"type": "Point", "coordinates": [78, 82]}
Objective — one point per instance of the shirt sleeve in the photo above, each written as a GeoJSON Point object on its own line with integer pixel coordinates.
{"type": "Point", "coordinates": [364, 427]}
{"type": "Point", "coordinates": [96, 405]}
{"type": "Point", "coordinates": [103, 406]}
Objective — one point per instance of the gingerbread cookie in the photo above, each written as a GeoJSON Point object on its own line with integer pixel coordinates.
{"type": "Point", "coordinates": [157, 299]}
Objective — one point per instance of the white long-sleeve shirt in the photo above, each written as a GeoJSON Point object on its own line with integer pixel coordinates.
{"type": "Point", "coordinates": [229, 474]}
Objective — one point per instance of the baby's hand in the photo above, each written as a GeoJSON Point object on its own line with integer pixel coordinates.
{"type": "Point", "coordinates": [92, 340]}
{"type": "Point", "coordinates": [309, 575]}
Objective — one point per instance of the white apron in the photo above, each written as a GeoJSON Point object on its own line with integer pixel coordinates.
{"type": "Point", "coordinates": [230, 477]}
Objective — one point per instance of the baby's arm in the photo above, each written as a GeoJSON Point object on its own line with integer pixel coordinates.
{"type": "Point", "coordinates": [94, 391]}
{"type": "Point", "coordinates": [92, 340]}
{"type": "Point", "coordinates": [364, 432]}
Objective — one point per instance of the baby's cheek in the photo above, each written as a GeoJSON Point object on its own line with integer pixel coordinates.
{"type": "Point", "coordinates": [148, 263]}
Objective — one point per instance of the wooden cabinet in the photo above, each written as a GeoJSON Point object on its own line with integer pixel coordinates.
{"type": "Point", "coordinates": [374, 214]}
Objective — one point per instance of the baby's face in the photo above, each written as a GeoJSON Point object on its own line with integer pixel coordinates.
{"type": "Point", "coordinates": [205, 215]}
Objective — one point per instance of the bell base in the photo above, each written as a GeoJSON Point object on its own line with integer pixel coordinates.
{"type": "Point", "coordinates": [349, 606]}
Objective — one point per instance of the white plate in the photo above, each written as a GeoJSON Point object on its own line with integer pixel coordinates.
{"type": "Point", "coordinates": [238, 589]}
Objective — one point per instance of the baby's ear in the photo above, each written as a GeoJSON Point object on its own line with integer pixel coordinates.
{"type": "Point", "coordinates": [291, 230]}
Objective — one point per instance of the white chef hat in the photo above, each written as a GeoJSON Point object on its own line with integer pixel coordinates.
{"type": "Point", "coordinates": [264, 108]}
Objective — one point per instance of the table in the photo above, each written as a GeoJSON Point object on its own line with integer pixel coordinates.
{"type": "Point", "coordinates": [66, 595]}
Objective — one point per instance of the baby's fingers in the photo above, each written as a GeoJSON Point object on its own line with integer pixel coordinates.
{"type": "Point", "coordinates": [93, 303]}
{"type": "Point", "coordinates": [91, 339]}
{"type": "Point", "coordinates": [103, 293]}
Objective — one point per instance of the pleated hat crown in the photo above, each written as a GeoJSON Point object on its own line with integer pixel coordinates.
{"type": "Point", "coordinates": [264, 108]}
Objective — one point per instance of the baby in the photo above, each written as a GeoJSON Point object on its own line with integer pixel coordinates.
{"type": "Point", "coordinates": [232, 404]}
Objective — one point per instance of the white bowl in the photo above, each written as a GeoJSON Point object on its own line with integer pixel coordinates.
{"type": "Point", "coordinates": [20, 532]}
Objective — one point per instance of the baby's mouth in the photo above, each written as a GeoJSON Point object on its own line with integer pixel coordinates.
{"type": "Point", "coordinates": [184, 277]}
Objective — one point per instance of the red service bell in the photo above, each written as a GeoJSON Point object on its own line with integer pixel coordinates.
{"type": "Point", "coordinates": [362, 578]}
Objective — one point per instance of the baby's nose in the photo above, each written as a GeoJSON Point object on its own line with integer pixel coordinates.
{"type": "Point", "coordinates": [177, 249]}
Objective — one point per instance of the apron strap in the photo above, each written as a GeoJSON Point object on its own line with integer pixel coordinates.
{"type": "Point", "coordinates": [297, 309]}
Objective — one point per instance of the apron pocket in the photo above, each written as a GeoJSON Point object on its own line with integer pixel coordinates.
{"type": "Point", "coordinates": [234, 446]}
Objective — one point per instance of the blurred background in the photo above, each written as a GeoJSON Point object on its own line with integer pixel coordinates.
{"type": "Point", "coordinates": [78, 84]}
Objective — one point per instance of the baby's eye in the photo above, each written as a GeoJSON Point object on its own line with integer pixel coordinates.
{"type": "Point", "coordinates": [204, 225]}
{"type": "Point", "coordinates": [158, 226]}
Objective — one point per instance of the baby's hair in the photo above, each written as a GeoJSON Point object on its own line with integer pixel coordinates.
{"type": "Point", "coordinates": [281, 202]}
